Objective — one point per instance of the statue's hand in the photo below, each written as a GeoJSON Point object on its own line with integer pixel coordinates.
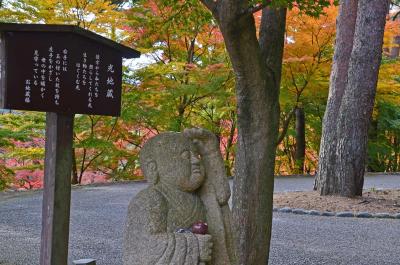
{"type": "Point", "coordinates": [205, 141]}
{"type": "Point", "coordinates": [205, 247]}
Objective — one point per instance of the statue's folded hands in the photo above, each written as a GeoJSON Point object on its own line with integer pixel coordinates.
{"type": "Point", "coordinates": [205, 247]}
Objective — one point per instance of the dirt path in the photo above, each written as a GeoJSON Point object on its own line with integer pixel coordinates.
{"type": "Point", "coordinates": [372, 201]}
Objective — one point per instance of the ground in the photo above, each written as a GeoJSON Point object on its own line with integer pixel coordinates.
{"type": "Point", "coordinates": [372, 201]}
{"type": "Point", "coordinates": [98, 214]}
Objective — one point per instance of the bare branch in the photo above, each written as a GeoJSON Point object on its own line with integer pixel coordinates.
{"type": "Point", "coordinates": [395, 16]}
{"type": "Point", "coordinates": [285, 126]}
{"type": "Point", "coordinates": [211, 5]}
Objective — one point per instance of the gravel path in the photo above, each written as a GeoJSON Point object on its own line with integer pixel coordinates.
{"type": "Point", "coordinates": [307, 183]}
{"type": "Point", "coordinates": [98, 215]}
{"type": "Point", "coordinates": [333, 240]}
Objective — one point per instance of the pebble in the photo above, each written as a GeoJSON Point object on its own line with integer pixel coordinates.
{"type": "Point", "coordinates": [285, 210]}
{"type": "Point", "coordinates": [314, 212]}
{"type": "Point", "coordinates": [328, 214]}
{"type": "Point", "coordinates": [300, 211]}
{"type": "Point", "coordinates": [338, 214]}
{"type": "Point", "coordinates": [382, 215]}
{"type": "Point", "coordinates": [363, 215]}
{"type": "Point", "coordinates": [85, 262]}
{"type": "Point", "coordinates": [345, 214]}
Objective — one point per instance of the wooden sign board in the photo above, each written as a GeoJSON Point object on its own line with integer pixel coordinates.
{"type": "Point", "coordinates": [59, 71]}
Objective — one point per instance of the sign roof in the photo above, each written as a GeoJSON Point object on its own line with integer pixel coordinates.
{"type": "Point", "coordinates": [60, 68]}
{"type": "Point", "coordinates": [126, 52]}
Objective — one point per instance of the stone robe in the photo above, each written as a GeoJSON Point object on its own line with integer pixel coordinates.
{"type": "Point", "coordinates": [154, 216]}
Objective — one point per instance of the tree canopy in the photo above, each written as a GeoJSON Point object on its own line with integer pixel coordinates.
{"type": "Point", "coordinates": [191, 81]}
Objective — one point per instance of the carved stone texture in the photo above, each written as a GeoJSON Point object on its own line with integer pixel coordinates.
{"type": "Point", "coordinates": [182, 191]}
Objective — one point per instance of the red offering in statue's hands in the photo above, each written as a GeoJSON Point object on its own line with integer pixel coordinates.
{"type": "Point", "coordinates": [199, 227]}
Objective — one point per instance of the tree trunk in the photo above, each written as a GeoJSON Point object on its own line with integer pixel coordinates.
{"type": "Point", "coordinates": [358, 100]}
{"type": "Point", "coordinates": [300, 140]}
{"type": "Point", "coordinates": [373, 138]}
{"type": "Point", "coordinates": [257, 66]}
{"type": "Point", "coordinates": [326, 180]}
{"type": "Point", "coordinates": [395, 51]}
{"type": "Point", "coordinates": [74, 169]}
{"type": "Point", "coordinates": [396, 154]}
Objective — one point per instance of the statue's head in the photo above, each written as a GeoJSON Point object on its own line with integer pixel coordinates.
{"type": "Point", "coordinates": [171, 158]}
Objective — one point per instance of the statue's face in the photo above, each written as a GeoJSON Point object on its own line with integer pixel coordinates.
{"type": "Point", "coordinates": [192, 175]}
{"type": "Point", "coordinates": [182, 166]}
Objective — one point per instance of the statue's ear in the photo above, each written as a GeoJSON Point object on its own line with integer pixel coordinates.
{"type": "Point", "coordinates": [152, 172]}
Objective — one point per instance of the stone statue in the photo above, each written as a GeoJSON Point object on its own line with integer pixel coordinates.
{"type": "Point", "coordinates": [188, 184]}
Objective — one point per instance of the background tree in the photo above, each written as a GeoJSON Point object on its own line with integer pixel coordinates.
{"type": "Point", "coordinates": [21, 148]}
{"type": "Point", "coordinates": [383, 146]}
{"type": "Point", "coordinates": [306, 65]}
{"type": "Point", "coordinates": [189, 82]}
{"type": "Point", "coordinates": [101, 16]}
{"type": "Point", "coordinates": [352, 93]}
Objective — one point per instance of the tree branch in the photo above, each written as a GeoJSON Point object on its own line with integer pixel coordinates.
{"type": "Point", "coordinates": [285, 126]}
{"type": "Point", "coordinates": [256, 8]}
{"type": "Point", "coordinates": [395, 16]}
{"type": "Point", "coordinates": [211, 5]}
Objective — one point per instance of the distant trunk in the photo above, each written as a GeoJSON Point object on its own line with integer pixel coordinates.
{"type": "Point", "coordinates": [82, 169]}
{"type": "Point", "coordinates": [326, 180]}
{"type": "Point", "coordinates": [396, 154]}
{"type": "Point", "coordinates": [358, 100]}
{"type": "Point", "coordinates": [372, 138]}
{"type": "Point", "coordinates": [74, 168]}
{"type": "Point", "coordinates": [300, 140]}
{"type": "Point", "coordinates": [395, 51]}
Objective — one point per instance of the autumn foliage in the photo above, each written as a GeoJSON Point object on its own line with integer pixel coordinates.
{"type": "Point", "coordinates": [187, 80]}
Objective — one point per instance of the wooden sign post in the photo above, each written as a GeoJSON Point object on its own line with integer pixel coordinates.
{"type": "Point", "coordinates": [62, 70]}
{"type": "Point", "coordinates": [57, 189]}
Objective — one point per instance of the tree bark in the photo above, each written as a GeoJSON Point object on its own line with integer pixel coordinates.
{"type": "Point", "coordinates": [300, 140]}
{"type": "Point", "coordinates": [74, 169]}
{"type": "Point", "coordinates": [395, 50]}
{"type": "Point", "coordinates": [345, 27]}
{"type": "Point", "coordinates": [229, 145]}
{"type": "Point", "coordinates": [358, 100]}
{"type": "Point", "coordinates": [257, 66]}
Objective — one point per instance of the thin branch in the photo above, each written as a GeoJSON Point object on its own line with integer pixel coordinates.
{"type": "Point", "coordinates": [133, 143]}
{"type": "Point", "coordinates": [91, 161]}
{"type": "Point", "coordinates": [293, 79]}
{"type": "Point", "coordinates": [285, 126]}
{"type": "Point", "coordinates": [112, 128]}
{"type": "Point", "coordinates": [157, 58]}
{"type": "Point", "coordinates": [395, 16]}
{"type": "Point", "coordinates": [85, 167]}
{"type": "Point", "coordinates": [211, 5]}
{"type": "Point", "coordinates": [82, 166]}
